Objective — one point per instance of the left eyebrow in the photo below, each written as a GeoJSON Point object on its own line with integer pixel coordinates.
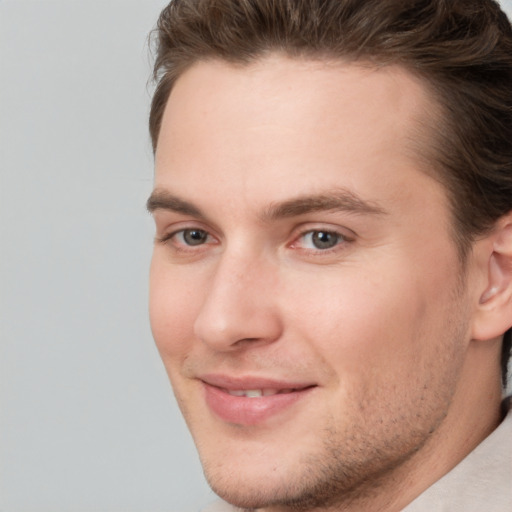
{"type": "Point", "coordinates": [163, 200]}
{"type": "Point", "coordinates": [340, 200]}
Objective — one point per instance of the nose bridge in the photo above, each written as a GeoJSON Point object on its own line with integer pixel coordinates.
{"type": "Point", "coordinates": [239, 304]}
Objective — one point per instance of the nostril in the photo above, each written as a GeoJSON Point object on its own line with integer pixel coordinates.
{"type": "Point", "coordinates": [249, 341]}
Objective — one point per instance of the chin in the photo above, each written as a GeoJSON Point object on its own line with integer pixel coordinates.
{"type": "Point", "coordinates": [318, 475]}
{"type": "Point", "coordinates": [299, 493]}
{"type": "Point", "coordinates": [300, 485]}
{"type": "Point", "coordinates": [257, 494]}
{"type": "Point", "coordinates": [245, 498]}
{"type": "Point", "coordinates": [249, 483]}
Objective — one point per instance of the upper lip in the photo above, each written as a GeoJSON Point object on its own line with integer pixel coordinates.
{"type": "Point", "coordinates": [251, 382]}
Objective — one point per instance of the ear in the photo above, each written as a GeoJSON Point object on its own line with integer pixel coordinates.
{"type": "Point", "coordinates": [494, 310]}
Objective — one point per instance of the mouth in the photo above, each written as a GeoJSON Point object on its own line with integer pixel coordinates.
{"type": "Point", "coordinates": [257, 393]}
{"type": "Point", "coordinates": [250, 401]}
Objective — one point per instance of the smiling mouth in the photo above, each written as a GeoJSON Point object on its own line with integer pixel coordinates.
{"type": "Point", "coordinates": [251, 405]}
{"type": "Point", "coordinates": [257, 393]}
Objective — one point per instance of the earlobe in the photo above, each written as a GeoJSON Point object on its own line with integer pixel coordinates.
{"type": "Point", "coordinates": [494, 315]}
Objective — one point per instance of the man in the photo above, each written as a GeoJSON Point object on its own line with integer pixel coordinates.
{"type": "Point", "coordinates": [331, 281]}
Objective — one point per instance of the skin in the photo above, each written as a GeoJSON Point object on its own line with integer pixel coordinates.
{"type": "Point", "coordinates": [382, 323]}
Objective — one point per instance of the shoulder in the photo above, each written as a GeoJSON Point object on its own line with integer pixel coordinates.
{"type": "Point", "coordinates": [482, 481]}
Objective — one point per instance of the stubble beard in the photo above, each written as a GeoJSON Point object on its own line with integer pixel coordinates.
{"type": "Point", "coordinates": [333, 479]}
{"type": "Point", "coordinates": [360, 464]}
{"type": "Point", "coordinates": [352, 469]}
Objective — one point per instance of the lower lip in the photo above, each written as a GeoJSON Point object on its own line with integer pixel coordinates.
{"type": "Point", "coordinates": [249, 411]}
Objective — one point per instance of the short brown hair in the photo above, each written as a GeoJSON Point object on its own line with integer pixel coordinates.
{"type": "Point", "coordinates": [461, 48]}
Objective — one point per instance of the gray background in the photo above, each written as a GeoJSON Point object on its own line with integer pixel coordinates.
{"type": "Point", "coordinates": [87, 419]}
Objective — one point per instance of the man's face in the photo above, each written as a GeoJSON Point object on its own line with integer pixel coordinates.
{"type": "Point", "coordinates": [305, 290]}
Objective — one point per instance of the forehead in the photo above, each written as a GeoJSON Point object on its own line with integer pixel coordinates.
{"type": "Point", "coordinates": [293, 122]}
{"type": "Point", "coordinates": [280, 85]}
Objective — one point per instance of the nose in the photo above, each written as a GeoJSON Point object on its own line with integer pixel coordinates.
{"type": "Point", "coordinates": [239, 307]}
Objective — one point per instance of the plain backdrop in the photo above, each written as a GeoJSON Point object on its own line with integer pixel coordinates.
{"type": "Point", "coordinates": [87, 417]}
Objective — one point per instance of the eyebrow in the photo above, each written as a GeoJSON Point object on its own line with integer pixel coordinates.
{"type": "Point", "coordinates": [163, 200]}
{"type": "Point", "coordinates": [337, 200]}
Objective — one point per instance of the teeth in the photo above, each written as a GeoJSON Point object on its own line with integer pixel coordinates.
{"type": "Point", "coordinates": [256, 393]}
{"type": "Point", "coordinates": [237, 392]}
{"type": "Point", "coordinates": [253, 393]}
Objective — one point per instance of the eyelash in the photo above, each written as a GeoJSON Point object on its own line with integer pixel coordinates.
{"type": "Point", "coordinates": [340, 241]}
{"type": "Point", "coordinates": [167, 238]}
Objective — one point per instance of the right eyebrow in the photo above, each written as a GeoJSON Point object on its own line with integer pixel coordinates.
{"type": "Point", "coordinates": [337, 200]}
{"type": "Point", "coordinates": [163, 200]}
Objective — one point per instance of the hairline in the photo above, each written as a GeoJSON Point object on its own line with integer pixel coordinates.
{"type": "Point", "coordinates": [424, 145]}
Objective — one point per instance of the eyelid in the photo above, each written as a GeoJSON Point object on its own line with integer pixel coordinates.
{"type": "Point", "coordinates": [171, 231]}
{"type": "Point", "coordinates": [346, 236]}
{"type": "Point", "coordinates": [303, 229]}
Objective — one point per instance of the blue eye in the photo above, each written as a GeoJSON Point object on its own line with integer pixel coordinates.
{"type": "Point", "coordinates": [321, 240]}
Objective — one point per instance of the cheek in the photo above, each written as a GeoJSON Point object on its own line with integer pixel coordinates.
{"type": "Point", "coordinates": [364, 322]}
{"type": "Point", "coordinates": [172, 310]}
